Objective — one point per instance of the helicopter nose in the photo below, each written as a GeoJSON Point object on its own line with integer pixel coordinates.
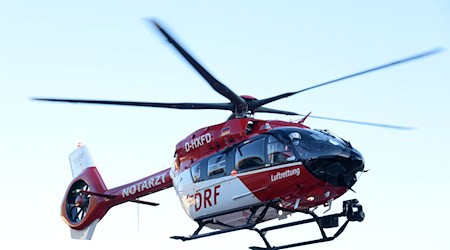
{"type": "Point", "coordinates": [339, 169]}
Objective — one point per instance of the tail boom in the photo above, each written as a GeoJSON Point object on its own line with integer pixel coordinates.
{"type": "Point", "coordinates": [145, 186]}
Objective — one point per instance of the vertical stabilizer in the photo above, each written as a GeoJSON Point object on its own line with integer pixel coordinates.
{"type": "Point", "coordinates": [80, 159]}
{"type": "Point", "coordinates": [84, 234]}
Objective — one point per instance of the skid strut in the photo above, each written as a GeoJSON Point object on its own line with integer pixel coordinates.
{"type": "Point", "coordinates": [205, 220]}
{"type": "Point", "coordinates": [351, 209]}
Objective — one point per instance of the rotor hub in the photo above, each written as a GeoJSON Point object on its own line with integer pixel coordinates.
{"type": "Point", "coordinates": [79, 201]}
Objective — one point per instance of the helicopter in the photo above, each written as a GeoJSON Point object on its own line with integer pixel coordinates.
{"type": "Point", "coordinates": [237, 174]}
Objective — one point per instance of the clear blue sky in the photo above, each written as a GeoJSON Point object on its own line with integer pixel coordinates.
{"type": "Point", "coordinates": [105, 50]}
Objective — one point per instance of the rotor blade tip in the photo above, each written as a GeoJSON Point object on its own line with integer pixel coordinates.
{"type": "Point", "coordinates": [435, 51]}
{"type": "Point", "coordinates": [36, 99]}
{"type": "Point", "coordinates": [439, 49]}
{"type": "Point", "coordinates": [153, 21]}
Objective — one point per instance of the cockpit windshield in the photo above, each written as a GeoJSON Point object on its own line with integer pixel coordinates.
{"type": "Point", "coordinates": [310, 143]}
{"type": "Point", "coordinates": [325, 155]}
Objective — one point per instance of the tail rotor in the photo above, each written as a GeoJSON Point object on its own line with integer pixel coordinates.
{"type": "Point", "coordinates": [77, 203]}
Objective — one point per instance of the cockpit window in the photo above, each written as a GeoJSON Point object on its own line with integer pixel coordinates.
{"type": "Point", "coordinates": [278, 152]}
{"type": "Point", "coordinates": [250, 155]}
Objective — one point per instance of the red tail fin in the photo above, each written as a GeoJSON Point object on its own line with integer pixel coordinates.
{"type": "Point", "coordinates": [80, 210]}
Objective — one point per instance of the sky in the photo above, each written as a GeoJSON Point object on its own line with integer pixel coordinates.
{"type": "Point", "coordinates": [106, 50]}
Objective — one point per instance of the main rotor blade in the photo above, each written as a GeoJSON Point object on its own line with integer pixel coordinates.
{"type": "Point", "coordinates": [362, 123]}
{"type": "Point", "coordinates": [220, 106]}
{"type": "Point", "coordinates": [258, 103]}
{"type": "Point", "coordinates": [215, 84]}
{"type": "Point", "coordinates": [274, 111]}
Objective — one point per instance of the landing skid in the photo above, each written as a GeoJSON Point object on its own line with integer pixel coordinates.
{"type": "Point", "coordinates": [351, 209]}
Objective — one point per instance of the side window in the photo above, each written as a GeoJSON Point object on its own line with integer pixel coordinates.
{"type": "Point", "coordinates": [278, 152]}
{"type": "Point", "coordinates": [196, 171]}
{"type": "Point", "coordinates": [250, 155]}
{"type": "Point", "coordinates": [209, 168]}
{"type": "Point", "coordinates": [216, 165]}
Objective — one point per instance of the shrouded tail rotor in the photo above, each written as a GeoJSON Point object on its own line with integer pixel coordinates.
{"type": "Point", "coordinates": [77, 202]}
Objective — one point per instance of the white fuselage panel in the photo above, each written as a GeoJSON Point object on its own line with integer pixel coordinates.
{"type": "Point", "coordinates": [211, 196]}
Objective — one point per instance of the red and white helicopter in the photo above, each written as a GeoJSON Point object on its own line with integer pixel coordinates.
{"type": "Point", "coordinates": [237, 174]}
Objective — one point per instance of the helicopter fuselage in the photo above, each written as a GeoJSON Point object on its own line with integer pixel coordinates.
{"type": "Point", "coordinates": [248, 161]}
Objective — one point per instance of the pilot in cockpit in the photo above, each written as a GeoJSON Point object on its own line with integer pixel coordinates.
{"type": "Point", "coordinates": [278, 151]}
{"type": "Point", "coordinates": [295, 138]}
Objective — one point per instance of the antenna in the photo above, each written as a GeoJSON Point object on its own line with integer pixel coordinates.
{"type": "Point", "coordinates": [137, 214]}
